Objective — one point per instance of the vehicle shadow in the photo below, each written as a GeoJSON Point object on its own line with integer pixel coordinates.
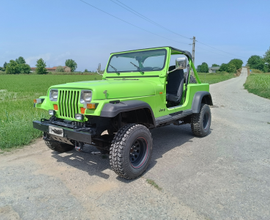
{"type": "Point", "coordinates": [164, 140]}
{"type": "Point", "coordinates": [168, 138]}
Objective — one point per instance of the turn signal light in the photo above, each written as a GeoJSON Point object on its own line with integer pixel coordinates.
{"type": "Point", "coordinates": [55, 107]}
{"type": "Point", "coordinates": [82, 110]}
{"type": "Point", "coordinates": [38, 101]}
{"type": "Point", "coordinates": [91, 106]}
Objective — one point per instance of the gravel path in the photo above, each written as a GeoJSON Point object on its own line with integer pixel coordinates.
{"type": "Point", "coordinates": [225, 175]}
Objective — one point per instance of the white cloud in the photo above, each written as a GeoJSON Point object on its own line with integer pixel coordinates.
{"type": "Point", "coordinates": [61, 56]}
{"type": "Point", "coordinates": [60, 59]}
{"type": "Point", "coordinates": [33, 60]}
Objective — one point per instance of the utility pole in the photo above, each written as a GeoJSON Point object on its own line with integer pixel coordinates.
{"type": "Point", "coordinates": [193, 50]}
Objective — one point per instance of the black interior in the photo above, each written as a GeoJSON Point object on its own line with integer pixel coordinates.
{"type": "Point", "coordinates": [174, 89]}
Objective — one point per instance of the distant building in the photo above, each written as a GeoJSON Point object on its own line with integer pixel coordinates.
{"type": "Point", "coordinates": [213, 69]}
{"type": "Point", "coordinates": [52, 69]}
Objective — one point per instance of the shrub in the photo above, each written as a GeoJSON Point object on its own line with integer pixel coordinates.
{"type": "Point", "coordinates": [59, 69]}
{"type": "Point", "coordinates": [41, 67]}
{"type": "Point", "coordinates": [12, 67]}
{"type": "Point", "coordinates": [230, 68]}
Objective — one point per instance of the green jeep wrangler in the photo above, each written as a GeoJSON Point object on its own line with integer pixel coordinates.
{"type": "Point", "coordinates": [139, 91]}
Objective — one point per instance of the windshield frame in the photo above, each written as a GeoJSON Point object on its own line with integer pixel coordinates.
{"type": "Point", "coordinates": [136, 71]}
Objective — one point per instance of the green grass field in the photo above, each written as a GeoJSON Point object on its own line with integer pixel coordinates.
{"type": "Point", "coordinates": [16, 101]}
{"type": "Point", "coordinates": [215, 77]}
{"type": "Point", "coordinates": [259, 84]}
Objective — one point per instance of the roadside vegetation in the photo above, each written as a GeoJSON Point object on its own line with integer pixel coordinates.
{"type": "Point", "coordinates": [258, 84]}
{"type": "Point", "coordinates": [258, 81]}
{"type": "Point", "coordinates": [16, 100]}
{"type": "Point", "coordinates": [215, 77]}
{"type": "Point", "coordinates": [217, 73]}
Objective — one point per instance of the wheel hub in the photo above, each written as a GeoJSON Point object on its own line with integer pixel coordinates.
{"type": "Point", "coordinates": [138, 152]}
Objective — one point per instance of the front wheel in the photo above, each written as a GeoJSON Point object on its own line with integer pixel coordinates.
{"type": "Point", "coordinates": [131, 151]}
{"type": "Point", "coordinates": [201, 122]}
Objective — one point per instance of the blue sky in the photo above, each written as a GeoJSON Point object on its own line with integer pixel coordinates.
{"type": "Point", "coordinates": [56, 30]}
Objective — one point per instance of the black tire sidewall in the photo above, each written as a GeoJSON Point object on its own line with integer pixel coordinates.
{"type": "Point", "coordinates": [205, 110]}
{"type": "Point", "coordinates": [142, 133]}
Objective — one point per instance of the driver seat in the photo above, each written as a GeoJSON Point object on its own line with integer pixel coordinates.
{"type": "Point", "coordinates": [174, 88]}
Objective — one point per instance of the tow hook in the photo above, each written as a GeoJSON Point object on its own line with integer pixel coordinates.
{"type": "Point", "coordinates": [45, 136]}
{"type": "Point", "coordinates": [78, 146]}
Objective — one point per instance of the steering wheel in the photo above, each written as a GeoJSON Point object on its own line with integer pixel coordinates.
{"type": "Point", "coordinates": [156, 68]}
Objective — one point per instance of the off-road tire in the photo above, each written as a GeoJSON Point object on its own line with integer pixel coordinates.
{"type": "Point", "coordinates": [129, 141]}
{"type": "Point", "coordinates": [58, 146]}
{"type": "Point", "coordinates": [201, 122]}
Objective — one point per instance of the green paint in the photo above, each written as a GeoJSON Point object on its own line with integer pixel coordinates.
{"type": "Point", "coordinates": [128, 83]}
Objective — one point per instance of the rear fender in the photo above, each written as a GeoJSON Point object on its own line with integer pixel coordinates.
{"type": "Point", "coordinates": [199, 98]}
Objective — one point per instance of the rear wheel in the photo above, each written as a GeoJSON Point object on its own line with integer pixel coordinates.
{"type": "Point", "coordinates": [131, 151]}
{"type": "Point", "coordinates": [201, 122]}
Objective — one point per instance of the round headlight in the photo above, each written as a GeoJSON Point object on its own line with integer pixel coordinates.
{"type": "Point", "coordinates": [86, 96]}
{"type": "Point", "coordinates": [53, 95]}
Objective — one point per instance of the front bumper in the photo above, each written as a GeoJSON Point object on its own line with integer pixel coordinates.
{"type": "Point", "coordinates": [68, 133]}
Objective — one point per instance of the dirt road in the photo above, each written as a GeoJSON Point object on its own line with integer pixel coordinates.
{"type": "Point", "coordinates": [225, 175]}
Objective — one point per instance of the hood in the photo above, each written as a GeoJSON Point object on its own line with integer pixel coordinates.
{"type": "Point", "coordinates": [115, 89]}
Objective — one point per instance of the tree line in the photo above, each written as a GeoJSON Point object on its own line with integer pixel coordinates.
{"type": "Point", "coordinates": [19, 66]}
{"type": "Point", "coordinates": [260, 63]}
{"type": "Point", "coordinates": [230, 67]}
{"type": "Point", "coordinates": [254, 62]}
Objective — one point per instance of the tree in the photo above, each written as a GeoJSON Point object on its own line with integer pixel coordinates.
{"type": "Point", "coordinates": [41, 67]}
{"type": "Point", "coordinates": [5, 65]}
{"type": "Point", "coordinates": [267, 59]}
{"type": "Point", "coordinates": [86, 71]}
{"type": "Point", "coordinates": [71, 64]}
{"type": "Point", "coordinates": [227, 67]}
{"type": "Point", "coordinates": [237, 63]}
{"type": "Point", "coordinates": [12, 67]}
{"type": "Point", "coordinates": [215, 65]}
{"type": "Point", "coordinates": [20, 60]}
{"type": "Point", "coordinates": [223, 67]}
{"type": "Point", "coordinates": [199, 68]}
{"type": "Point", "coordinates": [231, 68]}
{"type": "Point", "coordinates": [256, 62]}
{"type": "Point", "coordinates": [24, 68]}
{"type": "Point", "coordinates": [59, 69]}
{"type": "Point", "coordinates": [204, 68]}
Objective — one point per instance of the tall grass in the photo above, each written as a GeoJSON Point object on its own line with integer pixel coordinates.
{"type": "Point", "coordinates": [259, 84]}
{"type": "Point", "coordinates": [215, 77]}
{"type": "Point", "coordinates": [16, 105]}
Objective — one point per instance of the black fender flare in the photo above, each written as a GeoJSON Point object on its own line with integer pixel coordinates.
{"type": "Point", "coordinates": [198, 98]}
{"type": "Point", "coordinates": [110, 110]}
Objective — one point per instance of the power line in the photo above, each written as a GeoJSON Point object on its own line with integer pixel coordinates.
{"type": "Point", "coordinates": [151, 21]}
{"type": "Point", "coordinates": [219, 49]}
{"type": "Point", "coordinates": [121, 4]}
{"type": "Point", "coordinates": [128, 22]}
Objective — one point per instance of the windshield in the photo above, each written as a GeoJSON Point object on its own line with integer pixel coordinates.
{"type": "Point", "coordinates": [153, 60]}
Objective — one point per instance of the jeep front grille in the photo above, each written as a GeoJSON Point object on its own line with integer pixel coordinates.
{"type": "Point", "coordinates": [68, 103]}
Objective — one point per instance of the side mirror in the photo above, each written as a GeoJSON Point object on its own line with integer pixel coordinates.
{"type": "Point", "coordinates": [181, 63]}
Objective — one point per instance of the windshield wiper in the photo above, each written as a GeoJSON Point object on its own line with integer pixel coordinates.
{"type": "Point", "coordinates": [114, 69]}
{"type": "Point", "coordinates": [137, 67]}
